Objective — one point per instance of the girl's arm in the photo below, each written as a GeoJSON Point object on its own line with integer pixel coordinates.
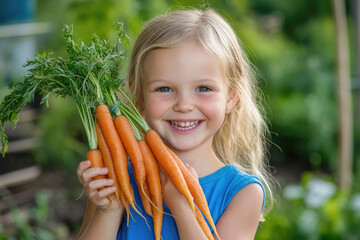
{"type": "Point", "coordinates": [103, 217]}
{"type": "Point", "coordinates": [241, 217]}
{"type": "Point", "coordinates": [89, 213]}
{"type": "Point", "coordinates": [103, 225]}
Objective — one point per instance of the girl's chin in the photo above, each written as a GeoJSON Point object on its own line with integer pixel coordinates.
{"type": "Point", "coordinates": [182, 144]}
{"type": "Point", "coordinates": [181, 148]}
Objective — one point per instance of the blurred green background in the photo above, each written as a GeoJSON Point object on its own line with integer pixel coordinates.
{"type": "Point", "coordinates": [291, 43]}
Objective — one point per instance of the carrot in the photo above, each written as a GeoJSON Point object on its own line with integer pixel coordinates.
{"type": "Point", "coordinates": [106, 156]}
{"type": "Point", "coordinates": [108, 163]}
{"type": "Point", "coordinates": [168, 163]}
{"type": "Point", "coordinates": [153, 179]}
{"type": "Point", "coordinates": [94, 155]}
{"type": "Point", "coordinates": [145, 196]}
{"type": "Point", "coordinates": [196, 191]}
{"type": "Point", "coordinates": [117, 151]}
{"type": "Point", "coordinates": [204, 226]}
{"type": "Point", "coordinates": [157, 219]}
{"type": "Point", "coordinates": [132, 148]}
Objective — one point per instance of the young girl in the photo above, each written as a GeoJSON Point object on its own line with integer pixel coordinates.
{"type": "Point", "coordinates": [195, 87]}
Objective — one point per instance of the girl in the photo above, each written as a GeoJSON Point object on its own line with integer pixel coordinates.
{"type": "Point", "coordinates": [195, 87]}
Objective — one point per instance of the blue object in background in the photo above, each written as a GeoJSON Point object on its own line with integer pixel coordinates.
{"type": "Point", "coordinates": [16, 44]}
{"type": "Point", "coordinates": [17, 11]}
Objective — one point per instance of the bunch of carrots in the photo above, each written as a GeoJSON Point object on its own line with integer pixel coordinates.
{"type": "Point", "coordinates": [115, 130]}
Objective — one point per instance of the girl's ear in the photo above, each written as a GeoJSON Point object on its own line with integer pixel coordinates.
{"type": "Point", "coordinates": [232, 100]}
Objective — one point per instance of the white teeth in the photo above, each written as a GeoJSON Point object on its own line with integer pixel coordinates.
{"type": "Point", "coordinates": [184, 125]}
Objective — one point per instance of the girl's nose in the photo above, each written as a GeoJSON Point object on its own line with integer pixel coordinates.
{"type": "Point", "coordinates": [184, 104]}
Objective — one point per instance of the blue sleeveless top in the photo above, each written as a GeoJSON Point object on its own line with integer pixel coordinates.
{"type": "Point", "coordinates": [219, 187]}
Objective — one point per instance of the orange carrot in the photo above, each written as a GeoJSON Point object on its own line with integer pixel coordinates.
{"type": "Point", "coordinates": [196, 191]}
{"type": "Point", "coordinates": [94, 155]}
{"type": "Point", "coordinates": [145, 196]}
{"type": "Point", "coordinates": [153, 179]}
{"type": "Point", "coordinates": [204, 226]}
{"type": "Point", "coordinates": [157, 219]}
{"type": "Point", "coordinates": [168, 163]}
{"type": "Point", "coordinates": [108, 163]}
{"type": "Point", "coordinates": [132, 148]}
{"type": "Point", "coordinates": [117, 151]}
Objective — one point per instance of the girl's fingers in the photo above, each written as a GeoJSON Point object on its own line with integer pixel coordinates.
{"type": "Point", "coordinates": [192, 170]}
{"type": "Point", "coordinates": [104, 203]}
{"type": "Point", "coordinates": [163, 176]}
{"type": "Point", "coordinates": [90, 173]}
{"type": "Point", "coordinates": [92, 187]}
{"type": "Point", "coordinates": [100, 197]}
{"type": "Point", "coordinates": [81, 168]}
{"type": "Point", "coordinates": [105, 192]}
{"type": "Point", "coordinates": [96, 184]}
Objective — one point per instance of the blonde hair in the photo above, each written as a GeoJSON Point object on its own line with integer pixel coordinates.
{"type": "Point", "coordinates": [241, 140]}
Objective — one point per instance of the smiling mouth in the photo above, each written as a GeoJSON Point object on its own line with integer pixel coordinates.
{"type": "Point", "coordinates": [183, 125]}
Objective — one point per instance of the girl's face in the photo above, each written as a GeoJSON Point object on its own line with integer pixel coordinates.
{"type": "Point", "coordinates": [185, 96]}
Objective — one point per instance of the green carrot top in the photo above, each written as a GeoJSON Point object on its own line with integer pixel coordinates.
{"type": "Point", "coordinates": [81, 75]}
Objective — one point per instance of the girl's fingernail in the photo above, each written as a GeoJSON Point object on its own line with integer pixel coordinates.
{"type": "Point", "coordinates": [110, 181]}
{"type": "Point", "coordinates": [104, 170]}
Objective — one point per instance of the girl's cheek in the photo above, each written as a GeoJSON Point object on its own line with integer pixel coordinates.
{"type": "Point", "coordinates": [212, 105]}
{"type": "Point", "coordinates": [214, 110]}
{"type": "Point", "coordinates": [154, 109]}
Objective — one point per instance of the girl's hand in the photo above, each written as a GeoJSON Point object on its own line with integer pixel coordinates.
{"type": "Point", "coordinates": [92, 187]}
{"type": "Point", "coordinates": [173, 199]}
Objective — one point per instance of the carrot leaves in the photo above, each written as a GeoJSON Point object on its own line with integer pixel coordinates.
{"type": "Point", "coordinates": [78, 75]}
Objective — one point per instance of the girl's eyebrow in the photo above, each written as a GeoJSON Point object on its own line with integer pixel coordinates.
{"type": "Point", "coordinates": [156, 80]}
{"type": "Point", "coordinates": [201, 81]}
{"type": "Point", "coordinates": [153, 81]}
{"type": "Point", "coordinates": [206, 80]}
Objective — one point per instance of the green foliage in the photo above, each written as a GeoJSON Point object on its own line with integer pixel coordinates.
{"type": "Point", "coordinates": [297, 77]}
{"type": "Point", "coordinates": [314, 209]}
{"type": "Point", "coordinates": [33, 223]}
{"type": "Point", "coordinates": [76, 76]}
{"type": "Point", "coordinates": [97, 16]}
{"type": "Point", "coordinates": [62, 137]}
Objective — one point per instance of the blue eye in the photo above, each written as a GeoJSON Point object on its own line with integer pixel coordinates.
{"type": "Point", "coordinates": [203, 89]}
{"type": "Point", "coordinates": [163, 89]}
